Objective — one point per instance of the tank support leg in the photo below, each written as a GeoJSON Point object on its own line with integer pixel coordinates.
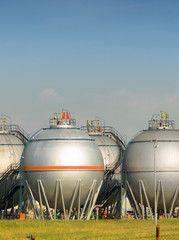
{"type": "Point", "coordinates": [87, 199]}
{"type": "Point", "coordinates": [175, 196]}
{"type": "Point", "coordinates": [160, 185]}
{"type": "Point", "coordinates": [33, 202]}
{"type": "Point", "coordinates": [164, 204]}
{"type": "Point", "coordinates": [63, 202]}
{"type": "Point", "coordinates": [141, 199]}
{"type": "Point", "coordinates": [56, 197]}
{"type": "Point", "coordinates": [40, 198]}
{"type": "Point", "coordinates": [59, 185]}
{"type": "Point", "coordinates": [45, 199]}
{"type": "Point", "coordinates": [94, 201]}
{"type": "Point", "coordinates": [91, 199]}
{"type": "Point", "coordinates": [79, 199]}
{"type": "Point", "coordinates": [136, 209]}
{"type": "Point", "coordinates": [148, 204]}
{"type": "Point", "coordinates": [73, 198]}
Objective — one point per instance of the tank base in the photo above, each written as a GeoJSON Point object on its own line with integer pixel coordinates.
{"type": "Point", "coordinates": [41, 212]}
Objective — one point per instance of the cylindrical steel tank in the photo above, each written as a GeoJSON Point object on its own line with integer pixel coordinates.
{"type": "Point", "coordinates": [151, 164]}
{"type": "Point", "coordinates": [62, 152]}
{"type": "Point", "coordinates": [11, 147]}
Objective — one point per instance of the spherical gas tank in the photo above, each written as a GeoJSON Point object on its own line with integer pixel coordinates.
{"type": "Point", "coordinates": [111, 145]}
{"type": "Point", "coordinates": [153, 158]}
{"type": "Point", "coordinates": [109, 141]}
{"type": "Point", "coordinates": [66, 153]}
{"type": "Point", "coordinates": [11, 148]}
{"type": "Point", "coordinates": [109, 148]}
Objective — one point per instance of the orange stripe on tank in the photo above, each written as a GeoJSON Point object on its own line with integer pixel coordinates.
{"type": "Point", "coordinates": [34, 168]}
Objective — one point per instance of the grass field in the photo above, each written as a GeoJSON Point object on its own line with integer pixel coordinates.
{"type": "Point", "coordinates": [102, 229]}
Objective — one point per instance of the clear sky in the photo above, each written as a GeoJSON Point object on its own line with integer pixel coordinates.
{"type": "Point", "coordinates": [117, 59]}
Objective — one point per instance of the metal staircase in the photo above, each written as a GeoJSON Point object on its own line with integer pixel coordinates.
{"type": "Point", "coordinates": [11, 173]}
{"type": "Point", "coordinates": [104, 197]}
{"type": "Point", "coordinates": [13, 189]}
{"type": "Point", "coordinates": [11, 169]}
{"type": "Point", "coordinates": [116, 135]}
{"type": "Point", "coordinates": [121, 142]}
{"type": "Point", "coordinates": [10, 176]}
{"type": "Point", "coordinates": [111, 168]}
{"type": "Point", "coordinates": [4, 200]}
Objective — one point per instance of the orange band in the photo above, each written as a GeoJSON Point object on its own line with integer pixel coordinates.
{"type": "Point", "coordinates": [34, 168]}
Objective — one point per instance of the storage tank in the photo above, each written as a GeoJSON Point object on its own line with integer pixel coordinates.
{"type": "Point", "coordinates": [151, 166]}
{"type": "Point", "coordinates": [111, 145]}
{"type": "Point", "coordinates": [63, 152]}
{"type": "Point", "coordinates": [11, 147]}
{"type": "Point", "coordinates": [109, 141]}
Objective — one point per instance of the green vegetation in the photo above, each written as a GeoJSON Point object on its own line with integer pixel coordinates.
{"type": "Point", "coordinates": [102, 229]}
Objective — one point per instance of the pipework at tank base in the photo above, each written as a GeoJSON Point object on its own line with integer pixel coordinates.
{"type": "Point", "coordinates": [78, 212]}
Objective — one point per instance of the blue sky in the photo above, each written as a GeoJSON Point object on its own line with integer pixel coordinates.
{"type": "Point", "coordinates": [114, 59]}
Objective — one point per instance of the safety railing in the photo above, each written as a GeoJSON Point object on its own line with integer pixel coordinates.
{"type": "Point", "coordinates": [21, 133]}
{"type": "Point", "coordinates": [106, 129]}
{"type": "Point", "coordinates": [112, 167]}
{"type": "Point", "coordinates": [157, 124]}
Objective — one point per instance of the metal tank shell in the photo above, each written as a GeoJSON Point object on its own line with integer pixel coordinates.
{"type": "Point", "coordinates": [109, 148]}
{"type": "Point", "coordinates": [65, 153]}
{"type": "Point", "coordinates": [111, 145]}
{"type": "Point", "coordinates": [109, 141]}
{"type": "Point", "coordinates": [11, 148]}
{"type": "Point", "coordinates": [153, 158]}
{"type": "Point", "coordinates": [111, 155]}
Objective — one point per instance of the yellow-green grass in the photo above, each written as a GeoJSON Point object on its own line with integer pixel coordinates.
{"type": "Point", "coordinates": [102, 229]}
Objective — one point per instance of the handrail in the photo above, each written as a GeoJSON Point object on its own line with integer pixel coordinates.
{"type": "Point", "coordinates": [9, 170]}
{"type": "Point", "coordinates": [23, 135]}
{"type": "Point", "coordinates": [12, 190]}
{"type": "Point", "coordinates": [112, 167]}
{"type": "Point", "coordinates": [107, 129]}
